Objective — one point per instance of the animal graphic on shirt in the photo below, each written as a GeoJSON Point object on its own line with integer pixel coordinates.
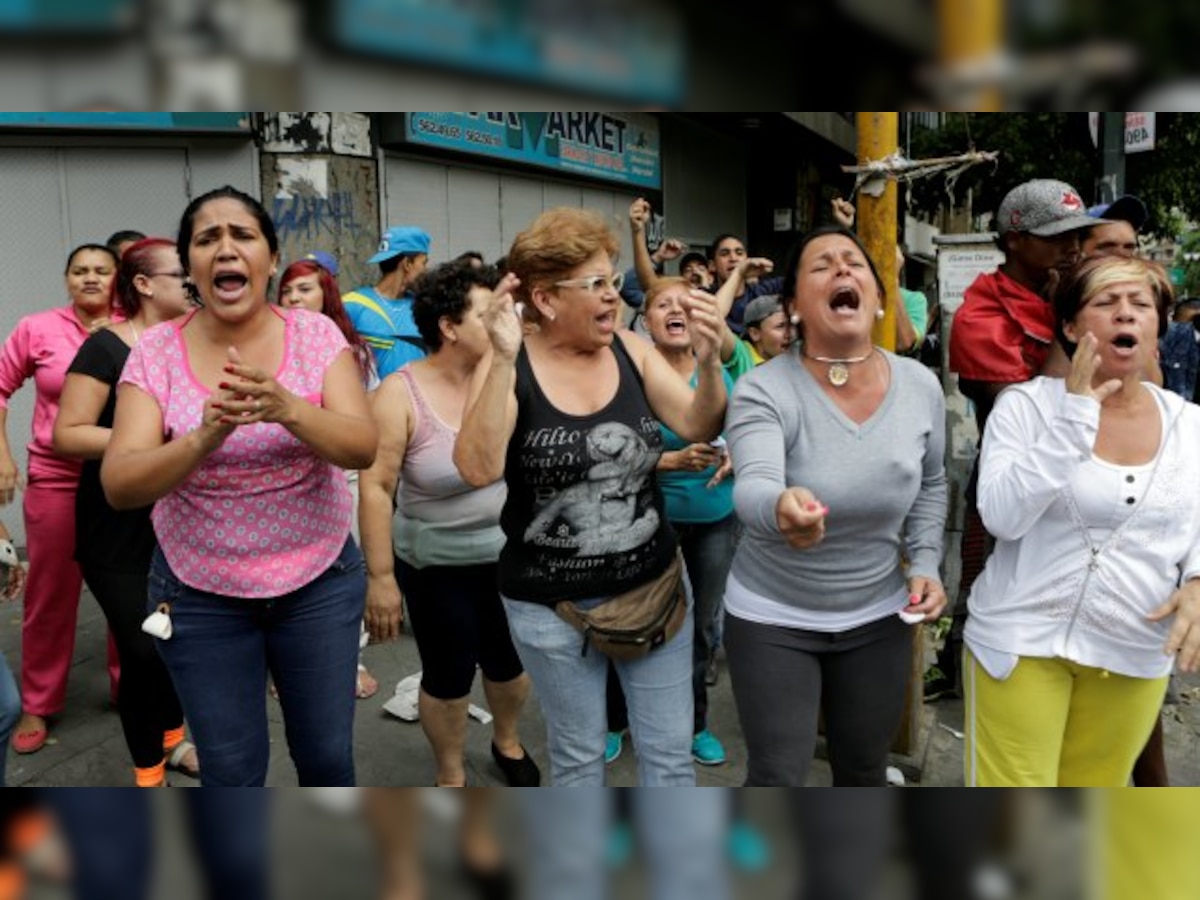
{"type": "Point", "coordinates": [599, 516]}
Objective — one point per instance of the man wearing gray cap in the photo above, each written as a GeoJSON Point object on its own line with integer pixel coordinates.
{"type": "Point", "coordinates": [383, 314]}
{"type": "Point", "coordinates": [1004, 329]}
{"type": "Point", "coordinates": [1003, 334]}
{"type": "Point", "coordinates": [768, 330]}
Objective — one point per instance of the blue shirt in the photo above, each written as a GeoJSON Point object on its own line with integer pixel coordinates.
{"type": "Point", "coordinates": [1180, 359]}
{"type": "Point", "coordinates": [387, 326]}
{"type": "Point", "coordinates": [772, 285]}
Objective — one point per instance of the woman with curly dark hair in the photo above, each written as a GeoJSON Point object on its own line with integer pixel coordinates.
{"type": "Point", "coordinates": [444, 537]}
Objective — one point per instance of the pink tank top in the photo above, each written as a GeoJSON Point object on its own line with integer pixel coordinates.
{"type": "Point", "coordinates": [440, 519]}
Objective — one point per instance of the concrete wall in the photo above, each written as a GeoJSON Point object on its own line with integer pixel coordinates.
{"type": "Point", "coordinates": [320, 182]}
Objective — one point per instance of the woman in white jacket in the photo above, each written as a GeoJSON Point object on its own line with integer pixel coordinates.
{"type": "Point", "coordinates": [1088, 485]}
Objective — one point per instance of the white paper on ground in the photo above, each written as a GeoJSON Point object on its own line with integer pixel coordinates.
{"type": "Point", "coordinates": [403, 704]}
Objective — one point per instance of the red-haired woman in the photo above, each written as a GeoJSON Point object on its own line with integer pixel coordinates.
{"type": "Point", "coordinates": [114, 548]}
{"type": "Point", "coordinates": [309, 285]}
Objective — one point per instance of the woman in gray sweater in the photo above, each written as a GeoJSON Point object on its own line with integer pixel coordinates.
{"type": "Point", "coordinates": [838, 450]}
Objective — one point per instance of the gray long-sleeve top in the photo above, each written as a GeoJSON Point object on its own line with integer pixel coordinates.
{"type": "Point", "coordinates": [884, 482]}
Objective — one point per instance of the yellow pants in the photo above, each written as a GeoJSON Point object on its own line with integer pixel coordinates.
{"type": "Point", "coordinates": [1144, 844]}
{"type": "Point", "coordinates": [1054, 723]}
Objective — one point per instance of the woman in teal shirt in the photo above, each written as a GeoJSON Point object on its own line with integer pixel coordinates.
{"type": "Point", "coordinates": [698, 499]}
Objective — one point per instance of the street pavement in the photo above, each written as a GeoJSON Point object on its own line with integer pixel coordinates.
{"type": "Point", "coordinates": [86, 747]}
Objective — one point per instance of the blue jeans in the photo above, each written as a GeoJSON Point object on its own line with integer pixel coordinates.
{"type": "Point", "coordinates": [110, 832]}
{"type": "Point", "coordinates": [708, 552]}
{"type": "Point", "coordinates": [10, 712]}
{"type": "Point", "coordinates": [680, 833]}
{"type": "Point", "coordinates": [222, 649]}
{"type": "Point", "coordinates": [571, 690]}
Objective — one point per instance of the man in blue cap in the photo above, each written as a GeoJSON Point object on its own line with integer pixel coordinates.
{"type": "Point", "coordinates": [383, 314]}
{"type": "Point", "coordinates": [1116, 230]}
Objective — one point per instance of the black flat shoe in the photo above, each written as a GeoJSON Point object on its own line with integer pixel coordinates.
{"type": "Point", "coordinates": [521, 772]}
{"type": "Point", "coordinates": [495, 884]}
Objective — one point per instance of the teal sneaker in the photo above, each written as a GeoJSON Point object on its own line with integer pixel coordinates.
{"type": "Point", "coordinates": [612, 746]}
{"type": "Point", "coordinates": [619, 851]}
{"type": "Point", "coordinates": [748, 850]}
{"type": "Point", "coordinates": [707, 750]}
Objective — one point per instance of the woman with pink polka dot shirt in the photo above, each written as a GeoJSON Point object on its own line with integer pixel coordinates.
{"type": "Point", "coordinates": [236, 422]}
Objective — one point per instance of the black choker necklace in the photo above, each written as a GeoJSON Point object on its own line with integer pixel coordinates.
{"type": "Point", "coordinates": [839, 372]}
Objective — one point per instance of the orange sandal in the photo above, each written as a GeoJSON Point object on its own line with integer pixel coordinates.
{"type": "Point", "coordinates": [31, 740]}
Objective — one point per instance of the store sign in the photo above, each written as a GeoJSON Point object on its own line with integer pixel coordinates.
{"type": "Point", "coordinates": [78, 18]}
{"type": "Point", "coordinates": [621, 147]}
{"type": "Point", "coordinates": [633, 51]}
{"type": "Point", "coordinates": [147, 121]}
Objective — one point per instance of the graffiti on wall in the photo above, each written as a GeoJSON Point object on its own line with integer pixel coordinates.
{"type": "Point", "coordinates": [305, 210]}
{"type": "Point", "coordinates": [306, 217]}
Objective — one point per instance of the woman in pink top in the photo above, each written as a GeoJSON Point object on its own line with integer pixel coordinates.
{"type": "Point", "coordinates": [41, 347]}
{"type": "Point", "coordinates": [236, 422]}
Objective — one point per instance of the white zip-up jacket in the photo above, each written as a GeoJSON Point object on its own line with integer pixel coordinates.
{"type": "Point", "coordinates": [1047, 590]}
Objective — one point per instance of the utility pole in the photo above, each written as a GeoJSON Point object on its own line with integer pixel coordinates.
{"type": "Point", "coordinates": [970, 43]}
{"type": "Point", "coordinates": [1112, 157]}
{"type": "Point", "coordinates": [879, 138]}
{"type": "Point", "coordinates": [877, 213]}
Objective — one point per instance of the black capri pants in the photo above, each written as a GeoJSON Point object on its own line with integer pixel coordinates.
{"type": "Point", "coordinates": [458, 620]}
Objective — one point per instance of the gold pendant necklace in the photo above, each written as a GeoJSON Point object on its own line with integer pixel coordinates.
{"type": "Point", "coordinates": [839, 371]}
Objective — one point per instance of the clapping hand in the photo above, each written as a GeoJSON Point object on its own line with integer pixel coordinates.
{"type": "Point", "coordinates": [251, 395]}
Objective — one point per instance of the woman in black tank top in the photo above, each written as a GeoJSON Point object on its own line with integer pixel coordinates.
{"type": "Point", "coordinates": [568, 416]}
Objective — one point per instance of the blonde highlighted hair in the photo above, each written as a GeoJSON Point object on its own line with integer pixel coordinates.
{"type": "Point", "coordinates": [1096, 275]}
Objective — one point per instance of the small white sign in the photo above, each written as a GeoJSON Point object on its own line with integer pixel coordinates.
{"type": "Point", "coordinates": [1139, 131]}
{"type": "Point", "coordinates": [783, 220]}
{"type": "Point", "coordinates": [957, 267]}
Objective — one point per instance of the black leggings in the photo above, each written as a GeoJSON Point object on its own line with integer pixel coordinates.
{"type": "Point", "coordinates": [459, 623]}
{"type": "Point", "coordinates": [784, 677]}
{"type": "Point", "coordinates": [146, 700]}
